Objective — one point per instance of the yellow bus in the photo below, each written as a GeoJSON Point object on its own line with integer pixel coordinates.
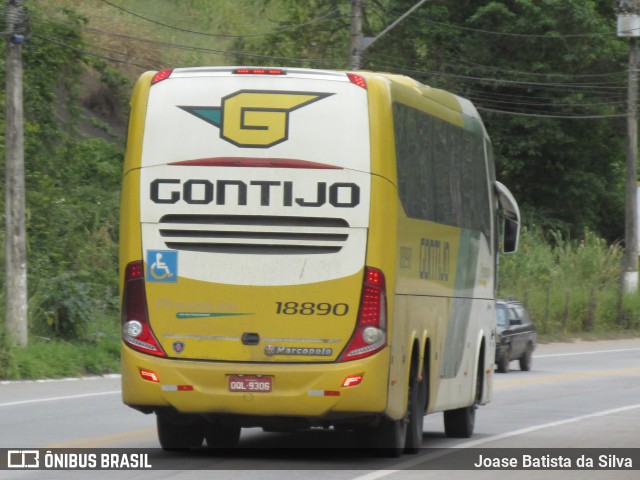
{"type": "Point", "coordinates": [304, 248]}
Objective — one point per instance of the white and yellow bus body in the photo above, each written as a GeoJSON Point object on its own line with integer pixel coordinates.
{"type": "Point", "coordinates": [306, 248]}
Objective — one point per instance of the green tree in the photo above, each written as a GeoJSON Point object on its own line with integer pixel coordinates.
{"type": "Point", "coordinates": [313, 34]}
{"type": "Point", "coordinates": [547, 75]}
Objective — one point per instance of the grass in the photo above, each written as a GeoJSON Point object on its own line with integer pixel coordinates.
{"type": "Point", "coordinates": [146, 35]}
{"type": "Point", "coordinates": [589, 336]}
{"type": "Point", "coordinates": [98, 353]}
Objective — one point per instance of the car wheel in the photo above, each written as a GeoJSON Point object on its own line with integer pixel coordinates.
{"type": "Point", "coordinates": [504, 361]}
{"type": "Point", "coordinates": [525, 360]}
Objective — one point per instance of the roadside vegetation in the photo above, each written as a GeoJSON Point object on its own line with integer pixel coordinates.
{"type": "Point", "coordinates": [572, 288]}
{"type": "Point", "coordinates": [97, 352]}
{"type": "Point", "coordinates": [82, 56]}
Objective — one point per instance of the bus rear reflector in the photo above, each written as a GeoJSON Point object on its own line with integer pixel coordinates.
{"type": "Point", "coordinates": [370, 334]}
{"type": "Point", "coordinates": [136, 331]}
{"type": "Point", "coordinates": [149, 375]}
{"type": "Point", "coordinates": [177, 388]}
{"type": "Point", "coordinates": [323, 393]}
{"type": "Point", "coordinates": [352, 380]}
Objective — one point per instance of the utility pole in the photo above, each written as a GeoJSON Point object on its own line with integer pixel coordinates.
{"type": "Point", "coordinates": [15, 230]}
{"type": "Point", "coordinates": [628, 12]}
{"type": "Point", "coordinates": [355, 55]}
{"type": "Point", "coordinates": [359, 43]}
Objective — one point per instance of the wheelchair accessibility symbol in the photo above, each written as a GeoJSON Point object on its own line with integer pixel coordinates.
{"type": "Point", "coordinates": [162, 266]}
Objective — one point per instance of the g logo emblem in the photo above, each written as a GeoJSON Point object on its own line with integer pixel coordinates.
{"type": "Point", "coordinates": [255, 118]}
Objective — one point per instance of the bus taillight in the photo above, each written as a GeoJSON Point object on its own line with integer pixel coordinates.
{"type": "Point", "coordinates": [259, 71]}
{"type": "Point", "coordinates": [161, 75]}
{"type": "Point", "coordinates": [136, 331]}
{"type": "Point", "coordinates": [358, 80]}
{"type": "Point", "coordinates": [370, 335]}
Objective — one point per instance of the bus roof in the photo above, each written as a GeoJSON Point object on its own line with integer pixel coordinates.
{"type": "Point", "coordinates": [443, 97]}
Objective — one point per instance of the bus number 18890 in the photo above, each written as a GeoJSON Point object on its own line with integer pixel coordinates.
{"type": "Point", "coordinates": [311, 308]}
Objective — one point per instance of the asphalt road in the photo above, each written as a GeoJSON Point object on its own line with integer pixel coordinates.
{"type": "Point", "coordinates": [583, 395]}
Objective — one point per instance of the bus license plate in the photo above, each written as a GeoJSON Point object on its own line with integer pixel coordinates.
{"type": "Point", "coordinates": [249, 383]}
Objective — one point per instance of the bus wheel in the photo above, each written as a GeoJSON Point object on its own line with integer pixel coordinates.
{"type": "Point", "coordinates": [459, 423]}
{"type": "Point", "coordinates": [179, 432]}
{"type": "Point", "coordinates": [222, 436]}
{"type": "Point", "coordinates": [388, 439]}
{"type": "Point", "coordinates": [416, 408]}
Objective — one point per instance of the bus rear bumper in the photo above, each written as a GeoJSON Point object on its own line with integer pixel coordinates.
{"type": "Point", "coordinates": [313, 391]}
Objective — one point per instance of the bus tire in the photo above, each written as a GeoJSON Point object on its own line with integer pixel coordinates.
{"type": "Point", "coordinates": [179, 432]}
{"type": "Point", "coordinates": [459, 423]}
{"type": "Point", "coordinates": [416, 408]}
{"type": "Point", "coordinates": [388, 439]}
{"type": "Point", "coordinates": [221, 436]}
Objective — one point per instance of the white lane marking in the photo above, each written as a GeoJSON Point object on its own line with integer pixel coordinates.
{"type": "Point", "coordinates": [109, 376]}
{"type": "Point", "coordinates": [587, 353]}
{"type": "Point", "coordinates": [54, 399]}
{"type": "Point", "coordinates": [474, 443]}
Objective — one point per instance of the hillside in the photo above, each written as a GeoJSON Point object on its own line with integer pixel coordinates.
{"type": "Point", "coordinates": [128, 38]}
{"type": "Point", "coordinates": [80, 60]}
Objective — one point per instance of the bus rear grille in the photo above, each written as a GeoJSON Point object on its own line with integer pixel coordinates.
{"type": "Point", "coordinates": [254, 234]}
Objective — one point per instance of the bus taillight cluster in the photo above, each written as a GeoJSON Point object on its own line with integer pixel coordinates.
{"type": "Point", "coordinates": [370, 335]}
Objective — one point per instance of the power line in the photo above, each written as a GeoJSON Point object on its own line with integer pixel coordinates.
{"type": "Point", "coordinates": [540, 115]}
{"type": "Point", "coordinates": [605, 87]}
{"type": "Point", "coordinates": [461, 62]}
{"type": "Point", "coordinates": [86, 52]}
{"type": "Point", "coordinates": [484, 98]}
{"type": "Point", "coordinates": [552, 79]}
{"type": "Point", "coordinates": [515, 101]}
{"type": "Point", "coordinates": [320, 19]}
{"type": "Point", "coordinates": [496, 101]}
{"type": "Point", "coordinates": [473, 77]}
{"type": "Point", "coordinates": [487, 100]}
{"type": "Point", "coordinates": [197, 49]}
